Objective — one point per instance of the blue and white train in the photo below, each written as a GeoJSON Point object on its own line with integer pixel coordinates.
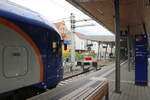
{"type": "Point", "coordinates": [30, 50]}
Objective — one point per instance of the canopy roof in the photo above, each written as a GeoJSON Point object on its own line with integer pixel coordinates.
{"type": "Point", "coordinates": [99, 38]}
{"type": "Point", "coordinates": [133, 13]}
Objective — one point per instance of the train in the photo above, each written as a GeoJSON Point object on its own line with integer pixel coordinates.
{"type": "Point", "coordinates": [30, 51]}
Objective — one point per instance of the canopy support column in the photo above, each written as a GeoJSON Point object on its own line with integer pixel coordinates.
{"type": "Point", "coordinates": [106, 51]}
{"type": "Point", "coordinates": [98, 54]}
{"type": "Point", "coordinates": [111, 46]}
{"type": "Point", "coordinates": [129, 52]}
{"type": "Point", "coordinates": [117, 62]}
{"type": "Point", "coordinates": [132, 52]}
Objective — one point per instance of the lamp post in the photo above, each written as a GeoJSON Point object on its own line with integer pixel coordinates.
{"type": "Point", "coordinates": [73, 26]}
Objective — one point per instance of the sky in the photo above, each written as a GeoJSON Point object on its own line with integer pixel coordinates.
{"type": "Point", "coordinates": [58, 10]}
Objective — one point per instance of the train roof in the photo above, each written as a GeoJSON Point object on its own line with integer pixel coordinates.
{"type": "Point", "coordinates": [12, 11]}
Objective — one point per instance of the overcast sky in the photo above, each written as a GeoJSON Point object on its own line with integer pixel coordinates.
{"type": "Point", "coordinates": [58, 10]}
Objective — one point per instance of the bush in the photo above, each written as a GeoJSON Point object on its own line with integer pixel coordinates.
{"type": "Point", "coordinates": [66, 55]}
{"type": "Point", "coordinates": [92, 55]}
{"type": "Point", "coordinates": [78, 56]}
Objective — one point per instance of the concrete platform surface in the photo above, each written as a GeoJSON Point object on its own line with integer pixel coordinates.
{"type": "Point", "coordinates": [129, 91]}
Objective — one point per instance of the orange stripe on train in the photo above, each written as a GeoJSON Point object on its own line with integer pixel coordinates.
{"type": "Point", "coordinates": [26, 37]}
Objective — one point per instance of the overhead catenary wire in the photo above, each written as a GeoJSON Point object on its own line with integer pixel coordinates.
{"type": "Point", "coordinates": [80, 20]}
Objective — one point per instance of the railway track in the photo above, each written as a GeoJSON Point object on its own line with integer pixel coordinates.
{"type": "Point", "coordinates": [71, 78]}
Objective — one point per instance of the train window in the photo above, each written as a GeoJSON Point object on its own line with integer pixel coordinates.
{"type": "Point", "coordinates": [54, 48]}
{"type": "Point", "coordinates": [54, 45]}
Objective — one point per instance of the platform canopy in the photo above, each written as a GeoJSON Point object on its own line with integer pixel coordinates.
{"type": "Point", "coordinates": [99, 38]}
{"type": "Point", "coordinates": [134, 14]}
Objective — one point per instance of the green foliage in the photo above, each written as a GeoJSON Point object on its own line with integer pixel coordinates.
{"type": "Point", "coordinates": [92, 55]}
{"type": "Point", "coordinates": [66, 55]}
{"type": "Point", "coordinates": [78, 56]}
{"type": "Point", "coordinates": [89, 48]}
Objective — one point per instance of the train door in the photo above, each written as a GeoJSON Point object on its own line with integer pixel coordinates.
{"type": "Point", "coordinates": [54, 69]}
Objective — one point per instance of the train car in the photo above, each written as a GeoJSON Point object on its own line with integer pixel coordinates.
{"type": "Point", "coordinates": [30, 50]}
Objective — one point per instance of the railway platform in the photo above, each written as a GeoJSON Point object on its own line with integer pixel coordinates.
{"type": "Point", "coordinates": [86, 84]}
{"type": "Point", "coordinates": [129, 91]}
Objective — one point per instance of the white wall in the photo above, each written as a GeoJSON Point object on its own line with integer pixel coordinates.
{"type": "Point", "coordinates": [80, 44]}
